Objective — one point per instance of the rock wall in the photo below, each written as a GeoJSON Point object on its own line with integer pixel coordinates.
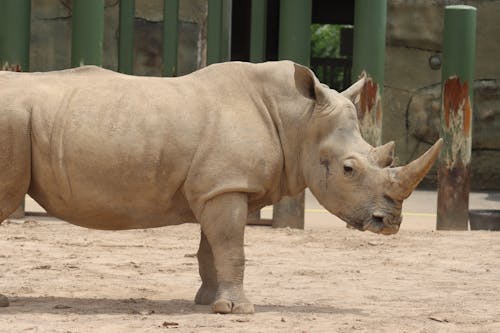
{"type": "Point", "coordinates": [412, 93]}
{"type": "Point", "coordinates": [51, 35]}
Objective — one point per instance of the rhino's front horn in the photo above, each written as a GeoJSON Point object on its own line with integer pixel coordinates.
{"type": "Point", "coordinates": [407, 177]}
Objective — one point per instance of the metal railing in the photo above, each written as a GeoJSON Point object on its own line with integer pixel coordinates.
{"type": "Point", "coordinates": [334, 72]}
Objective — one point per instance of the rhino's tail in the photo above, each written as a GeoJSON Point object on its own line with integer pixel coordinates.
{"type": "Point", "coordinates": [15, 158]}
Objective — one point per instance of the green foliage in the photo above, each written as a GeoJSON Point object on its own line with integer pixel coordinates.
{"type": "Point", "coordinates": [325, 45]}
{"type": "Point", "coordinates": [325, 40]}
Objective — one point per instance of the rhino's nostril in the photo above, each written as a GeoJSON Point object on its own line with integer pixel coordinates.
{"type": "Point", "coordinates": [378, 218]}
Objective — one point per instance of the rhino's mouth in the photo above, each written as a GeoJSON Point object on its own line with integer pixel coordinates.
{"type": "Point", "coordinates": [380, 225]}
{"type": "Point", "coordinates": [385, 225]}
{"type": "Point", "coordinates": [373, 225]}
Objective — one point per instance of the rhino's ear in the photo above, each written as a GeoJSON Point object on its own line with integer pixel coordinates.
{"type": "Point", "coordinates": [308, 85]}
{"type": "Point", "coordinates": [354, 91]}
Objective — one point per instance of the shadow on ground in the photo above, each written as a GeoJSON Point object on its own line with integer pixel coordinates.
{"type": "Point", "coordinates": [141, 306]}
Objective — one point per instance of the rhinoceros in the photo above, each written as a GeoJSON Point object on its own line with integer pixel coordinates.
{"type": "Point", "coordinates": [111, 151]}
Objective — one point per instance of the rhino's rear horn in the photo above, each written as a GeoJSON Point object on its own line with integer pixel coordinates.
{"type": "Point", "coordinates": [354, 91]}
{"type": "Point", "coordinates": [383, 156]}
{"type": "Point", "coordinates": [409, 176]}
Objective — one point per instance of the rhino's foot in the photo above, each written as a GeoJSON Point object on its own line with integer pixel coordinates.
{"type": "Point", "coordinates": [226, 306]}
{"type": "Point", "coordinates": [205, 295]}
{"type": "Point", "coordinates": [232, 300]}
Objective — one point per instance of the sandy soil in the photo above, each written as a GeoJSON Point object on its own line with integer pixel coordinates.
{"type": "Point", "coordinates": [62, 278]}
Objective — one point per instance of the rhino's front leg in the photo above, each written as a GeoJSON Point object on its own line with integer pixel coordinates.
{"type": "Point", "coordinates": [223, 222]}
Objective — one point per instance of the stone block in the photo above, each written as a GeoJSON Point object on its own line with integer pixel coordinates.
{"type": "Point", "coordinates": [50, 9]}
{"type": "Point", "coordinates": [148, 47]}
{"type": "Point", "coordinates": [395, 102]}
{"type": "Point", "coordinates": [408, 69]}
{"type": "Point", "coordinates": [415, 24]}
{"type": "Point", "coordinates": [149, 10]}
{"type": "Point", "coordinates": [187, 58]}
{"type": "Point", "coordinates": [193, 11]}
{"type": "Point", "coordinates": [111, 36]}
{"type": "Point", "coordinates": [50, 47]}
{"type": "Point", "coordinates": [424, 114]}
{"type": "Point", "coordinates": [487, 37]}
{"type": "Point", "coordinates": [485, 170]}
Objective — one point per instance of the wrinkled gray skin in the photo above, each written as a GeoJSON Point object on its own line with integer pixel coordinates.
{"type": "Point", "coordinates": [110, 151]}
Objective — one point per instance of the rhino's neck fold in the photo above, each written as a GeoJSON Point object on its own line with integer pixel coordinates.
{"type": "Point", "coordinates": [290, 112]}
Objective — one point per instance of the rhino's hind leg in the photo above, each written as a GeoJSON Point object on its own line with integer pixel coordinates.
{"type": "Point", "coordinates": [15, 159]}
{"type": "Point", "coordinates": [223, 222]}
{"type": "Point", "coordinates": [15, 164]}
{"type": "Point", "coordinates": [208, 289]}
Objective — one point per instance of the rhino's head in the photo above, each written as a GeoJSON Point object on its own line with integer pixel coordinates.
{"type": "Point", "coordinates": [349, 177]}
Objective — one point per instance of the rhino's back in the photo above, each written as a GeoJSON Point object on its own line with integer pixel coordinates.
{"type": "Point", "coordinates": [112, 151]}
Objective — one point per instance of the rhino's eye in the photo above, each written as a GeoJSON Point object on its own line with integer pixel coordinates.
{"type": "Point", "coordinates": [348, 168]}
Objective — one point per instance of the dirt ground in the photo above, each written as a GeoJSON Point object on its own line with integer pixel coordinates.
{"type": "Point", "coordinates": [63, 278]}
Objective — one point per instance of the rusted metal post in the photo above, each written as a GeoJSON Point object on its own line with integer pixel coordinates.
{"type": "Point", "coordinates": [15, 35]}
{"type": "Point", "coordinates": [370, 18]}
{"type": "Point", "coordinates": [87, 32]}
{"type": "Point", "coordinates": [295, 45]}
{"type": "Point", "coordinates": [258, 29]}
{"type": "Point", "coordinates": [459, 45]}
{"type": "Point", "coordinates": [170, 36]}
{"type": "Point", "coordinates": [126, 37]}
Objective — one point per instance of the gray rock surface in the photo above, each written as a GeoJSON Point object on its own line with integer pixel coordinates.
{"type": "Point", "coordinates": [412, 100]}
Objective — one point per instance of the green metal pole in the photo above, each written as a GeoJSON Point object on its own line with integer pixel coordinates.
{"type": "Point", "coordinates": [15, 17]}
{"type": "Point", "coordinates": [219, 31]}
{"type": "Point", "coordinates": [170, 36]}
{"type": "Point", "coordinates": [214, 28]}
{"type": "Point", "coordinates": [258, 31]}
{"type": "Point", "coordinates": [87, 32]}
{"type": "Point", "coordinates": [295, 45]}
{"type": "Point", "coordinates": [227, 9]}
{"type": "Point", "coordinates": [258, 27]}
{"type": "Point", "coordinates": [295, 31]}
{"type": "Point", "coordinates": [459, 45]}
{"type": "Point", "coordinates": [370, 18]}
{"type": "Point", "coordinates": [15, 34]}
{"type": "Point", "coordinates": [126, 37]}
